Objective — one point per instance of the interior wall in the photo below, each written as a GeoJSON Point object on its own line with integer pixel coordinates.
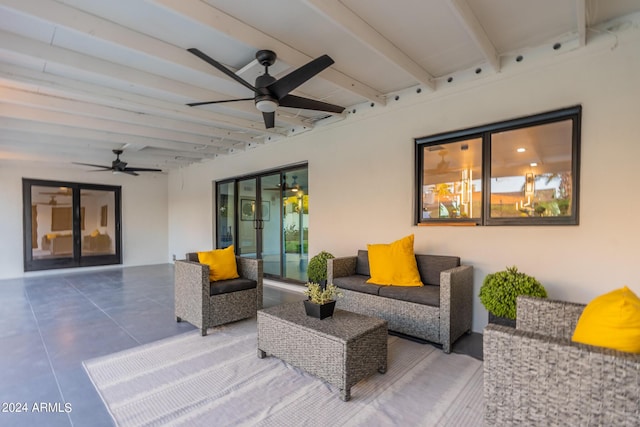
{"type": "Point", "coordinates": [144, 213]}
{"type": "Point", "coordinates": [361, 177]}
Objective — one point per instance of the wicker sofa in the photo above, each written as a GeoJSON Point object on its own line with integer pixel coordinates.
{"type": "Point", "coordinates": [535, 375]}
{"type": "Point", "coordinates": [439, 312]}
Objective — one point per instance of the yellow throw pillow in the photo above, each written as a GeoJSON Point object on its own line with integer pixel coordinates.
{"type": "Point", "coordinates": [221, 262]}
{"type": "Point", "coordinates": [95, 233]}
{"type": "Point", "coordinates": [394, 264]}
{"type": "Point", "coordinates": [611, 320]}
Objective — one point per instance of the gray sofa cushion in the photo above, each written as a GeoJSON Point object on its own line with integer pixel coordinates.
{"type": "Point", "coordinates": [358, 283]}
{"type": "Point", "coordinates": [425, 295]}
{"type": "Point", "coordinates": [232, 285]}
{"type": "Point", "coordinates": [362, 263]}
{"type": "Point", "coordinates": [430, 267]}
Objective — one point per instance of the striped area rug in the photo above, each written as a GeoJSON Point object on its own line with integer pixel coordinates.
{"type": "Point", "coordinates": [218, 380]}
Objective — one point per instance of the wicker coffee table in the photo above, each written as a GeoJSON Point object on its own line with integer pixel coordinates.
{"type": "Point", "coordinates": [341, 350]}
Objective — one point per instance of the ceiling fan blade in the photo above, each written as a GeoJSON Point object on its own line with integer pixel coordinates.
{"type": "Point", "coordinates": [309, 104]}
{"type": "Point", "coordinates": [140, 170]}
{"type": "Point", "coordinates": [283, 86]}
{"type": "Point", "coordinates": [269, 120]}
{"type": "Point", "coordinates": [222, 68]}
{"type": "Point", "coordinates": [128, 172]}
{"type": "Point", "coordinates": [195, 104]}
{"type": "Point", "coordinates": [95, 166]}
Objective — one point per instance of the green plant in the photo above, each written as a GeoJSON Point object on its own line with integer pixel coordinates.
{"type": "Point", "coordinates": [499, 291]}
{"type": "Point", "coordinates": [318, 295]}
{"type": "Point", "coordinates": [317, 268]}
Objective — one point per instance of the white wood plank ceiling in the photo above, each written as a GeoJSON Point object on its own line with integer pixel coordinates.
{"type": "Point", "coordinates": [80, 78]}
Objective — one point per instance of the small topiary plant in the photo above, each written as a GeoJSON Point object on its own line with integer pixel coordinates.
{"type": "Point", "coordinates": [318, 295]}
{"type": "Point", "coordinates": [317, 268]}
{"type": "Point", "coordinates": [499, 291]}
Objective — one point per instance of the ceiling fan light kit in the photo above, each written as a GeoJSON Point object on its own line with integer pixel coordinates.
{"type": "Point", "coordinates": [270, 93]}
{"type": "Point", "coordinates": [266, 105]}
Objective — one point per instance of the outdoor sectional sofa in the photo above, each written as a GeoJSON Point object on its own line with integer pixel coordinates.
{"type": "Point", "coordinates": [439, 312]}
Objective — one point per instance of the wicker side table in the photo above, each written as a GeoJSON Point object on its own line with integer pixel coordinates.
{"type": "Point", "coordinates": [341, 350]}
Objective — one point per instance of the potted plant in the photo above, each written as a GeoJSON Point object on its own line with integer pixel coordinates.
{"type": "Point", "coordinates": [317, 268]}
{"type": "Point", "coordinates": [322, 300]}
{"type": "Point", "coordinates": [499, 291]}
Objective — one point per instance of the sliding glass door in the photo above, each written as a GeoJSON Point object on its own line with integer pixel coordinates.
{"type": "Point", "coordinates": [70, 224]}
{"type": "Point", "coordinates": [265, 216]}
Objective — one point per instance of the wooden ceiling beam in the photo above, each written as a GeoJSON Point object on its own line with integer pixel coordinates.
{"type": "Point", "coordinates": [474, 29]}
{"type": "Point", "coordinates": [88, 137]}
{"type": "Point", "coordinates": [353, 24]}
{"type": "Point", "coordinates": [206, 14]}
{"type": "Point", "coordinates": [581, 21]}
{"type": "Point", "coordinates": [84, 109]}
{"type": "Point", "coordinates": [37, 80]}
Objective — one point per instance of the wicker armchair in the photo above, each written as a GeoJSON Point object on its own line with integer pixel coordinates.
{"type": "Point", "coordinates": [534, 375]}
{"type": "Point", "coordinates": [206, 304]}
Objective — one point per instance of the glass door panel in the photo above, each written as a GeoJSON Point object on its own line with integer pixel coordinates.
{"type": "Point", "coordinates": [269, 227]}
{"type": "Point", "coordinates": [247, 225]}
{"type": "Point", "coordinates": [51, 222]}
{"type": "Point", "coordinates": [97, 224]}
{"type": "Point", "coordinates": [226, 203]}
{"type": "Point", "coordinates": [295, 220]}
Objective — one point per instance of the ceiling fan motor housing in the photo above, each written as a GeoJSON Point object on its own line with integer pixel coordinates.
{"type": "Point", "coordinates": [264, 100]}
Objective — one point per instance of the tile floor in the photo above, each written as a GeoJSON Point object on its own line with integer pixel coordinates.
{"type": "Point", "coordinates": [49, 324]}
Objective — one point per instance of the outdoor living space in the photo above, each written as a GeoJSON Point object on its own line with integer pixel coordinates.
{"type": "Point", "coordinates": [498, 135]}
{"type": "Point", "coordinates": [53, 322]}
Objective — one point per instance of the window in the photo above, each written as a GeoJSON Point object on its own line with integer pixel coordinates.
{"type": "Point", "coordinates": [518, 172]}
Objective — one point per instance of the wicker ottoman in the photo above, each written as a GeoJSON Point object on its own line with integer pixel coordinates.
{"type": "Point", "coordinates": [341, 350]}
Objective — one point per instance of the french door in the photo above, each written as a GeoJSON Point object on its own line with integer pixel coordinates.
{"type": "Point", "coordinates": [266, 216]}
{"type": "Point", "coordinates": [69, 224]}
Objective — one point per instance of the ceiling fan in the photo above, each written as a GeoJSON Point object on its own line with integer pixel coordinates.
{"type": "Point", "coordinates": [118, 166]}
{"type": "Point", "coordinates": [270, 93]}
{"type": "Point", "coordinates": [443, 165]}
{"type": "Point", "coordinates": [53, 202]}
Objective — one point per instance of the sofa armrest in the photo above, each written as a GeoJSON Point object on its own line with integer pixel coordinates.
{"type": "Point", "coordinates": [191, 291]}
{"type": "Point", "coordinates": [250, 268]}
{"type": "Point", "coordinates": [531, 378]}
{"type": "Point", "coordinates": [547, 317]}
{"type": "Point", "coordinates": [341, 267]}
{"type": "Point", "coordinates": [456, 303]}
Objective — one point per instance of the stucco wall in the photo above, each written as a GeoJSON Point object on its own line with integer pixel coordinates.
{"type": "Point", "coordinates": [361, 176]}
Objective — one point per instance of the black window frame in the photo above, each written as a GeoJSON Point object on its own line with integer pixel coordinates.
{"type": "Point", "coordinates": [76, 259]}
{"type": "Point", "coordinates": [484, 132]}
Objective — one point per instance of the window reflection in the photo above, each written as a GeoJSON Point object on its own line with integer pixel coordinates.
{"type": "Point", "coordinates": [98, 223]}
{"type": "Point", "coordinates": [452, 184]}
{"type": "Point", "coordinates": [52, 222]}
{"type": "Point", "coordinates": [531, 171]}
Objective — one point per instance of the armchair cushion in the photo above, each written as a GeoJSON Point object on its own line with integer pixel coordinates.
{"type": "Point", "coordinates": [231, 285]}
{"type": "Point", "coordinates": [221, 262]}
{"type": "Point", "coordinates": [611, 320]}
